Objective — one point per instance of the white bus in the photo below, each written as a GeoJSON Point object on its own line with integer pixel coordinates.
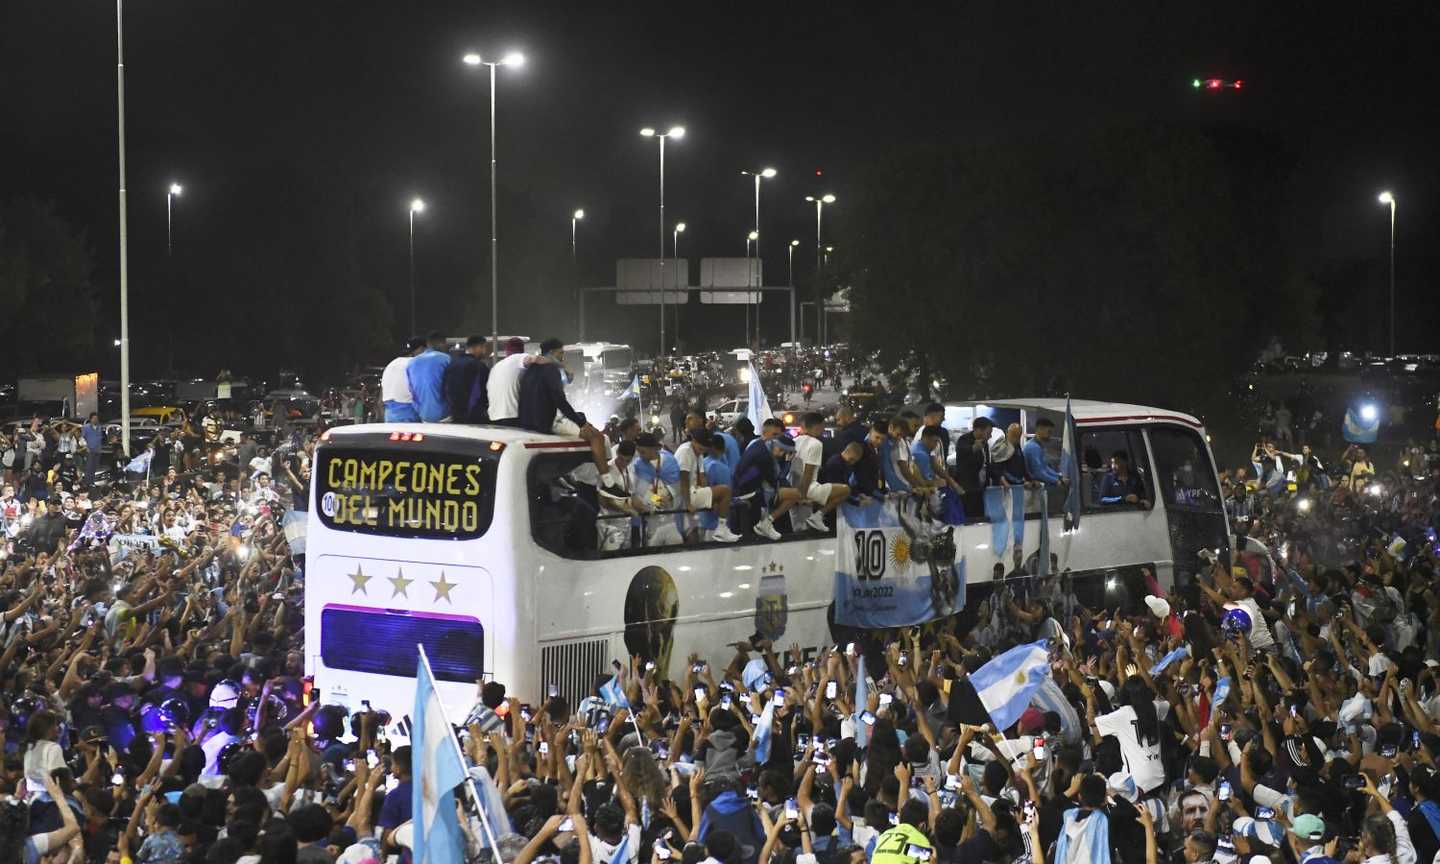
{"type": "Point", "coordinates": [476, 542]}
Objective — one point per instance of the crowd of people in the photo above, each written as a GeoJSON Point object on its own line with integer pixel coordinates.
{"type": "Point", "coordinates": [1285, 706]}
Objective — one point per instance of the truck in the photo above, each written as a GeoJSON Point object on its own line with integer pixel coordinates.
{"type": "Point", "coordinates": [76, 393]}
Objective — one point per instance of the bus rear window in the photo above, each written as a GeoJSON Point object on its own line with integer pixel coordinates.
{"type": "Point", "coordinates": [382, 642]}
{"type": "Point", "coordinates": [412, 492]}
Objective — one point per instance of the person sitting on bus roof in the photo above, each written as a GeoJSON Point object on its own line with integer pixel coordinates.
{"type": "Point", "coordinates": [696, 490]}
{"type": "Point", "coordinates": [465, 382]}
{"type": "Point", "coordinates": [758, 468]}
{"type": "Point", "coordinates": [426, 375]}
{"type": "Point", "coordinates": [839, 468]}
{"type": "Point", "coordinates": [395, 385]}
{"type": "Point", "coordinates": [805, 471]}
{"type": "Point", "coordinates": [543, 407]}
{"type": "Point", "coordinates": [1008, 460]}
{"type": "Point", "coordinates": [717, 473]}
{"type": "Point", "coordinates": [502, 388]}
{"type": "Point", "coordinates": [1120, 486]}
{"type": "Point", "coordinates": [657, 477]}
{"type": "Point", "coordinates": [620, 494]}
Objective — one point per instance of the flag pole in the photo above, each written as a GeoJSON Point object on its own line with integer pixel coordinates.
{"type": "Point", "coordinates": [469, 781]}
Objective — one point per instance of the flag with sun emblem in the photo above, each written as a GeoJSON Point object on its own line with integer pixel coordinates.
{"type": "Point", "coordinates": [438, 769]}
{"type": "Point", "coordinates": [893, 568]}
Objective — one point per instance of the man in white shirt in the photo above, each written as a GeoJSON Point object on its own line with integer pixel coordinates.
{"type": "Point", "coordinates": [395, 386]}
{"type": "Point", "coordinates": [696, 492]}
{"type": "Point", "coordinates": [805, 467]}
{"type": "Point", "coordinates": [502, 388]}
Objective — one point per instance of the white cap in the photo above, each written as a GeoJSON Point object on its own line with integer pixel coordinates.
{"type": "Point", "coordinates": [1159, 606]}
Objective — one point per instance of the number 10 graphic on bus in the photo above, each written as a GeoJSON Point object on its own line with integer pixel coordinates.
{"type": "Point", "coordinates": [870, 554]}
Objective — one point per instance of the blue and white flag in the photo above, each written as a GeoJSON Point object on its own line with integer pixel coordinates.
{"type": "Point", "coordinates": [492, 803]}
{"type": "Point", "coordinates": [613, 693]}
{"type": "Point", "coordinates": [1070, 467]}
{"type": "Point", "coordinates": [295, 525]}
{"type": "Point", "coordinates": [759, 409]}
{"type": "Point", "coordinates": [1222, 691]}
{"type": "Point", "coordinates": [1005, 508]}
{"type": "Point", "coordinates": [862, 701]}
{"type": "Point", "coordinates": [439, 768]}
{"type": "Point", "coordinates": [1049, 697]}
{"type": "Point", "coordinates": [764, 729]}
{"type": "Point", "coordinates": [1362, 424]}
{"type": "Point", "coordinates": [878, 581]}
{"type": "Point", "coordinates": [140, 464]}
{"type": "Point", "coordinates": [633, 391]}
{"type": "Point", "coordinates": [1178, 654]}
{"type": "Point", "coordinates": [1000, 691]}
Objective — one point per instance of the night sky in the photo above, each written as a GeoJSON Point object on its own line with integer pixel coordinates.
{"type": "Point", "coordinates": [280, 117]}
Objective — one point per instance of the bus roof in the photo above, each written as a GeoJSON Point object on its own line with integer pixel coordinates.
{"type": "Point", "coordinates": [507, 435]}
{"type": "Point", "coordinates": [1092, 411]}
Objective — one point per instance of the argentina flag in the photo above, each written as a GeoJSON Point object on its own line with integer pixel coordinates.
{"type": "Point", "coordinates": [759, 408]}
{"type": "Point", "coordinates": [439, 768]}
{"type": "Point", "coordinates": [1000, 691]}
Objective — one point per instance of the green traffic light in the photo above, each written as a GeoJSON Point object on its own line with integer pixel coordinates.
{"type": "Point", "coordinates": [1195, 83]}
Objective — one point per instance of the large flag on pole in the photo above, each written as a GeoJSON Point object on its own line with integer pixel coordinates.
{"type": "Point", "coordinates": [439, 768]}
{"type": "Point", "coordinates": [1000, 691]}
{"type": "Point", "coordinates": [759, 410]}
{"type": "Point", "coordinates": [633, 391]}
{"type": "Point", "coordinates": [1070, 466]}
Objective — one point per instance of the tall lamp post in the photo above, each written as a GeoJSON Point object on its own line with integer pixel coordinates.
{"type": "Point", "coordinates": [575, 269]}
{"type": "Point", "coordinates": [752, 237]}
{"type": "Point", "coordinates": [790, 252]}
{"type": "Point", "coordinates": [675, 253]}
{"type": "Point", "coordinates": [675, 133]}
{"type": "Point", "coordinates": [416, 206]}
{"type": "Point", "coordinates": [820, 203]}
{"type": "Point", "coordinates": [170, 195]}
{"type": "Point", "coordinates": [514, 58]}
{"type": "Point", "coordinates": [1387, 198]}
{"type": "Point", "coordinates": [761, 174]}
{"type": "Point", "coordinates": [124, 240]}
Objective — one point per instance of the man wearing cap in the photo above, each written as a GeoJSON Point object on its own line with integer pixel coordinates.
{"type": "Point", "coordinates": [395, 385]}
{"type": "Point", "coordinates": [502, 388]}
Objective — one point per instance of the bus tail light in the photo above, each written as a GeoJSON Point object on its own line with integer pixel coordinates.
{"type": "Point", "coordinates": [407, 436]}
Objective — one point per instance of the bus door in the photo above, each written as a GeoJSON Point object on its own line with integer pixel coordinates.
{"type": "Point", "coordinates": [1187, 487]}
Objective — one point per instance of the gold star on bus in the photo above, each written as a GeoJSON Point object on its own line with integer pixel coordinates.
{"type": "Point", "coordinates": [400, 583]}
{"type": "Point", "coordinates": [442, 588]}
{"type": "Point", "coordinates": [359, 578]}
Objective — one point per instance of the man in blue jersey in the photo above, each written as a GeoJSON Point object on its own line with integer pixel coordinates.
{"type": "Point", "coordinates": [1034, 449]}
{"type": "Point", "coordinates": [426, 376]}
{"type": "Point", "coordinates": [759, 467]}
{"type": "Point", "coordinates": [395, 385]}
{"type": "Point", "coordinates": [657, 484]}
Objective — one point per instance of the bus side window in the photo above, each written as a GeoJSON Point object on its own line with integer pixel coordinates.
{"type": "Point", "coordinates": [562, 512]}
{"type": "Point", "coordinates": [1097, 448]}
{"type": "Point", "coordinates": [1186, 476]}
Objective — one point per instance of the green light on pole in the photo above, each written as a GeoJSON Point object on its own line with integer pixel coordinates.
{"type": "Point", "coordinates": [1195, 83]}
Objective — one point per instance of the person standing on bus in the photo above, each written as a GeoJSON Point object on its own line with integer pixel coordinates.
{"type": "Point", "coordinates": [426, 374]}
{"type": "Point", "coordinates": [465, 382]}
{"type": "Point", "coordinates": [543, 407]}
{"type": "Point", "coordinates": [805, 472]}
{"type": "Point", "coordinates": [395, 386]}
{"type": "Point", "coordinates": [696, 493]}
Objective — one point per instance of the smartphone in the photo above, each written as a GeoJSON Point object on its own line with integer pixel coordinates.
{"type": "Point", "coordinates": [1389, 751]}
{"type": "Point", "coordinates": [904, 657]}
{"type": "Point", "coordinates": [649, 666]}
{"type": "Point", "coordinates": [1225, 730]}
{"type": "Point", "coordinates": [117, 779]}
{"type": "Point", "coordinates": [1353, 781]}
{"type": "Point", "coordinates": [850, 649]}
{"type": "Point", "coordinates": [544, 748]}
{"type": "Point", "coordinates": [792, 810]}
{"type": "Point", "coordinates": [552, 691]}
{"type": "Point", "coordinates": [567, 825]}
{"type": "Point", "coordinates": [867, 718]}
{"type": "Point", "coordinates": [894, 818]}
{"type": "Point", "coordinates": [1264, 814]}
{"type": "Point", "coordinates": [752, 793]}
{"type": "Point", "coordinates": [1029, 809]}
{"type": "Point", "coordinates": [779, 699]}
{"type": "Point", "coordinates": [699, 694]}
{"type": "Point", "coordinates": [698, 668]}
{"type": "Point", "coordinates": [725, 701]}
{"type": "Point", "coordinates": [831, 689]}
{"type": "Point", "coordinates": [662, 850]}
{"type": "Point", "coordinates": [917, 853]}
{"type": "Point", "coordinates": [885, 699]}
{"type": "Point", "coordinates": [526, 713]}
{"type": "Point", "coordinates": [952, 782]}
{"type": "Point", "coordinates": [1415, 739]}
{"type": "Point", "coordinates": [802, 740]}
{"type": "Point", "coordinates": [1039, 748]}
{"type": "Point", "coordinates": [1223, 793]}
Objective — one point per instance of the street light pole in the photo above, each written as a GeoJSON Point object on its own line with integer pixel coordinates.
{"type": "Point", "coordinates": [676, 132]}
{"type": "Point", "coordinates": [416, 206]}
{"type": "Point", "coordinates": [765, 174]}
{"type": "Point", "coordinates": [790, 251]}
{"type": "Point", "coordinates": [1387, 198]}
{"type": "Point", "coordinates": [124, 240]}
{"type": "Point", "coordinates": [575, 271]}
{"type": "Point", "coordinates": [752, 237]}
{"type": "Point", "coordinates": [820, 203]}
{"type": "Point", "coordinates": [170, 195]}
{"type": "Point", "coordinates": [675, 253]}
{"type": "Point", "coordinates": [514, 58]}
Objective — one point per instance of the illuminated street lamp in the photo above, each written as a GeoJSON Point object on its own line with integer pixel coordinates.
{"type": "Point", "coordinates": [515, 59]}
{"type": "Point", "coordinates": [1387, 198]}
{"type": "Point", "coordinates": [820, 203]}
{"type": "Point", "coordinates": [416, 206]}
{"type": "Point", "coordinates": [170, 195]}
{"type": "Point", "coordinates": [674, 133]}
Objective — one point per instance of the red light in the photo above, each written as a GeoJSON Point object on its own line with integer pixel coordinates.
{"type": "Point", "coordinates": [1213, 84]}
{"type": "Point", "coordinates": [818, 172]}
{"type": "Point", "coordinates": [1238, 84]}
{"type": "Point", "coordinates": [394, 436]}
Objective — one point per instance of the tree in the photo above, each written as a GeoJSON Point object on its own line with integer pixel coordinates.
{"type": "Point", "coordinates": [50, 310]}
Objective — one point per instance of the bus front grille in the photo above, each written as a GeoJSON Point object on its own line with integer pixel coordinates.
{"type": "Point", "coordinates": [572, 668]}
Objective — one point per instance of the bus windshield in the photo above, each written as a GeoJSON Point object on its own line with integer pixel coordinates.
{"type": "Point", "coordinates": [434, 489]}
